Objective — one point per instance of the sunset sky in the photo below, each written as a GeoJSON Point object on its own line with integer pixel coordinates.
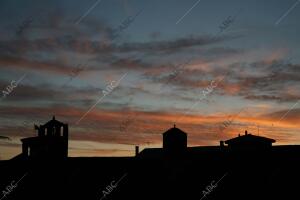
{"type": "Point", "coordinates": [121, 72]}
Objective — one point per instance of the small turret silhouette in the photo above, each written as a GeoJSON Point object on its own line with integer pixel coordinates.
{"type": "Point", "coordinates": [52, 141]}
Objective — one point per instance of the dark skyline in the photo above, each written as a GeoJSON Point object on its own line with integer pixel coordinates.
{"type": "Point", "coordinates": [121, 72]}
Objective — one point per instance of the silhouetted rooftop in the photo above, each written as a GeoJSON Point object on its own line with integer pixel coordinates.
{"type": "Point", "coordinates": [249, 138]}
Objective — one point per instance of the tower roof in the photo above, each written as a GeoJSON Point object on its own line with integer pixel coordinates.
{"type": "Point", "coordinates": [174, 130]}
{"type": "Point", "coordinates": [53, 122]}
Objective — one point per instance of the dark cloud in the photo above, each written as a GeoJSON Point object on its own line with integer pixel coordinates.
{"type": "Point", "coordinates": [271, 82]}
{"type": "Point", "coordinates": [290, 115]}
{"type": "Point", "coordinates": [79, 44]}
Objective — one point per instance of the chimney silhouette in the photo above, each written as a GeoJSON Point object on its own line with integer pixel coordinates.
{"type": "Point", "coordinates": [221, 143]}
{"type": "Point", "coordinates": [137, 150]}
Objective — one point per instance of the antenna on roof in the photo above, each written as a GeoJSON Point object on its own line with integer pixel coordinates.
{"type": "Point", "coordinates": [174, 125]}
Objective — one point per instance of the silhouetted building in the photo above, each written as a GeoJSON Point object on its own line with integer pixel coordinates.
{"type": "Point", "coordinates": [51, 142]}
{"type": "Point", "coordinates": [249, 142]}
{"type": "Point", "coordinates": [174, 140]}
